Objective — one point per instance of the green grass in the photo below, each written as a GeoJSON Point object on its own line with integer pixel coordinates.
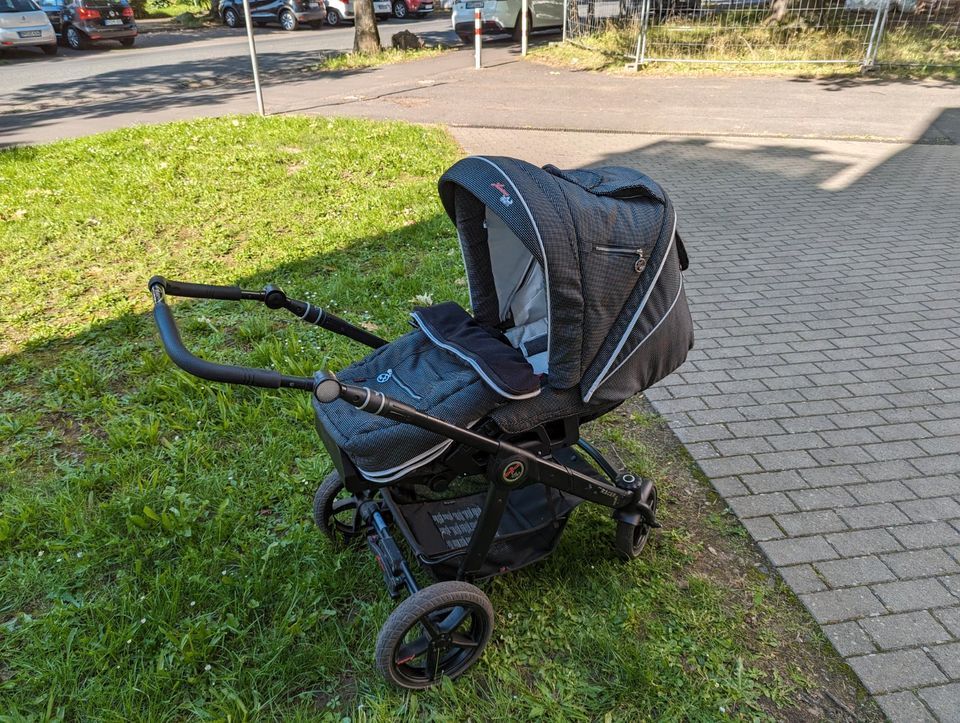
{"type": "Point", "coordinates": [169, 9]}
{"type": "Point", "coordinates": [905, 52]}
{"type": "Point", "coordinates": [388, 56]}
{"type": "Point", "coordinates": [157, 558]}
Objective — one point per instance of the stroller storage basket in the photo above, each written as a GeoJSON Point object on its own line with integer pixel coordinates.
{"type": "Point", "coordinates": [439, 531]}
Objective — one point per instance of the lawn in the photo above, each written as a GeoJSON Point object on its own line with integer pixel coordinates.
{"type": "Point", "coordinates": [157, 558]}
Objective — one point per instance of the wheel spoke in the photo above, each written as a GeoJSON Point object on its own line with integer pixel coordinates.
{"type": "Point", "coordinates": [411, 651]}
{"type": "Point", "coordinates": [454, 619]}
{"type": "Point", "coordinates": [433, 663]}
{"type": "Point", "coordinates": [429, 627]}
{"type": "Point", "coordinates": [464, 641]}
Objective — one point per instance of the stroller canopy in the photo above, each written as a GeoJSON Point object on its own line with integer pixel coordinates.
{"type": "Point", "coordinates": [581, 269]}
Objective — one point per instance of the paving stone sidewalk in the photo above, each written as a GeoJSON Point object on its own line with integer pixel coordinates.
{"type": "Point", "coordinates": [823, 396]}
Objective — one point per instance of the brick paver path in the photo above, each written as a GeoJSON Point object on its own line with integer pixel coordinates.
{"type": "Point", "coordinates": [823, 396]}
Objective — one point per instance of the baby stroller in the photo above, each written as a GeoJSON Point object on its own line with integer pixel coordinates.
{"type": "Point", "coordinates": [463, 434]}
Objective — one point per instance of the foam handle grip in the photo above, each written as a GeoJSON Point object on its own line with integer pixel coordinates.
{"type": "Point", "coordinates": [196, 291]}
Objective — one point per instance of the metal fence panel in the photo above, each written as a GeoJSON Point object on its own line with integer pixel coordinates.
{"type": "Point", "coordinates": [858, 32]}
{"type": "Point", "coordinates": [921, 32]}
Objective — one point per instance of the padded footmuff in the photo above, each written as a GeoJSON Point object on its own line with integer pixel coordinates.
{"type": "Point", "coordinates": [450, 367]}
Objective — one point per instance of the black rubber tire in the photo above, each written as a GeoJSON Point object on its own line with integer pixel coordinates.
{"type": "Point", "coordinates": [231, 18]}
{"type": "Point", "coordinates": [400, 9]}
{"type": "Point", "coordinates": [75, 39]}
{"type": "Point", "coordinates": [442, 598]}
{"type": "Point", "coordinates": [128, 42]}
{"type": "Point", "coordinates": [51, 49]}
{"type": "Point", "coordinates": [329, 520]}
{"type": "Point", "coordinates": [466, 39]}
{"type": "Point", "coordinates": [631, 539]}
{"type": "Point", "coordinates": [288, 21]}
{"type": "Point", "coordinates": [333, 18]}
{"type": "Point", "coordinates": [517, 33]}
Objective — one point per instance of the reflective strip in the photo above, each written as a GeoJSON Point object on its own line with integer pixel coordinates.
{"type": "Point", "coordinates": [644, 339]}
{"type": "Point", "coordinates": [543, 252]}
{"type": "Point", "coordinates": [469, 360]}
{"type": "Point", "coordinates": [602, 376]}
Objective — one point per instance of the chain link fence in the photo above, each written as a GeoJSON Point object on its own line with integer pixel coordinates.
{"type": "Point", "coordinates": [852, 32]}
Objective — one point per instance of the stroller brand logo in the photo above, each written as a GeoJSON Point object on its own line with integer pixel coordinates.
{"type": "Point", "coordinates": [505, 198]}
{"type": "Point", "coordinates": [385, 377]}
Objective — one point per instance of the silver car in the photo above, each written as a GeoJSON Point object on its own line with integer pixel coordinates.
{"type": "Point", "coordinates": [22, 22]}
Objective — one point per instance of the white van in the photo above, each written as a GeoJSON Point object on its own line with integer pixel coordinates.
{"type": "Point", "coordinates": [503, 16]}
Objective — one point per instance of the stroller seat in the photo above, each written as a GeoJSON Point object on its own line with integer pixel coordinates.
{"type": "Point", "coordinates": [450, 367]}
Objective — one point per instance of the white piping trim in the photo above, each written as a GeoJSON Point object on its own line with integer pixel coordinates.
{"type": "Point", "coordinates": [644, 339]}
{"type": "Point", "coordinates": [383, 402]}
{"type": "Point", "coordinates": [602, 376]}
{"type": "Point", "coordinates": [366, 399]}
{"type": "Point", "coordinates": [306, 312]}
{"type": "Point", "coordinates": [388, 475]}
{"type": "Point", "coordinates": [469, 360]}
{"type": "Point", "coordinates": [543, 253]}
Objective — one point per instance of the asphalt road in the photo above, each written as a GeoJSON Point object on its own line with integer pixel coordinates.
{"type": "Point", "coordinates": [162, 62]}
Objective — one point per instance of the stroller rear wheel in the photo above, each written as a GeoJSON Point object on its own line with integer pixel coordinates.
{"type": "Point", "coordinates": [438, 631]}
{"type": "Point", "coordinates": [631, 539]}
{"type": "Point", "coordinates": [336, 512]}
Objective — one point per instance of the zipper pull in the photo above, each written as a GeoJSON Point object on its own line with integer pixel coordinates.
{"type": "Point", "coordinates": [638, 266]}
{"type": "Point", "coordinates": [641, 262]}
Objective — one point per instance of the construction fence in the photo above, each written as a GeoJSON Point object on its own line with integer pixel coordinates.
{"type": "Point", "coordinates": [868, 33]}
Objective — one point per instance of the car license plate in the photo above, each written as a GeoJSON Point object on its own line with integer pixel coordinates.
{"type": "Point", "coordinates": [29, 33]}
{"type": "Point", "coordinates": [113, 21]}
{"type": "Point", "coordinates": [475, 4]}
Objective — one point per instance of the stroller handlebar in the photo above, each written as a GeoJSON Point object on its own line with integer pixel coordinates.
{"type": "Point", "coordinates": [203, 291]}
{"type": "Point", "coordinates": [170, 336]}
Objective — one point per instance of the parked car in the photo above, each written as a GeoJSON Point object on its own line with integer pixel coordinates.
{"type": "Point", "coordinates": [289, 14]}
{"type": "Point", "coordinates": [340, 10]}
{"type": "Point", "coordinates": [503, 16]}
{"type": "Point", "coordinates": [23, 23]}
{"type": "Point", "coordinates": [406, 8]}
{"type": "Point", "coordinates": [81, 22]}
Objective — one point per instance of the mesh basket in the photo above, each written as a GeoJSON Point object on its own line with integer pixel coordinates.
{"type": "Point", "coordinates": [439, 530]}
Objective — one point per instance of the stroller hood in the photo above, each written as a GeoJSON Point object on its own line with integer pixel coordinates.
{"type": "Point", "coordinates": [581, 268]}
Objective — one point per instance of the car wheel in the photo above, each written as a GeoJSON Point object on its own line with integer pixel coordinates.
{"type": "Point", "coordinates": [49, 49]}
{"type": "Point", "coordinates": [288, 21]}
{"type": "Point", "coordinates": [128, 42]}
{"type": "Point", "coordinates": [400, 9]}
{"type": "Point", "coordinates": [333, 18]}
{"type": "Point", "coordinates": [231, 18]}
{"type": "Point", "coordinates": [517, 33]}
{"type": "Point", "coordinates": [76, 39]}
{"type": "Point", "coordinates": [466, 39]}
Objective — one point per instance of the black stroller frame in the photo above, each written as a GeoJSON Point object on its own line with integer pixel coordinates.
{"type": "Point", "coordinates": [576, 288]}
{"type": "Point", "coordinates": [508, 465]}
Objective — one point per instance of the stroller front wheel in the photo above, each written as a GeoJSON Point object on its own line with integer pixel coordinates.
{"type": "Point", "coordinates": [631, 539]}
{"type": "Point", "coordinates": [336, 512]}
{"type": "Point", "coordinates": [438, 631]}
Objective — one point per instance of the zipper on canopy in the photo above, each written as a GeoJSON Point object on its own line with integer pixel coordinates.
{"type": "Point", "coordinates": [638, 266]}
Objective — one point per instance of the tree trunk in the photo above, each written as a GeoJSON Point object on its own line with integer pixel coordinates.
{"type": "Point", "coordinates": [214, 9]}
{"type": "Point", "coordinates": [366, 37]}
